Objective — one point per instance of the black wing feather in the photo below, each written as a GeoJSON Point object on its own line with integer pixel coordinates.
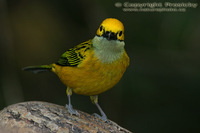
{"type": "Point", "coordinates": [75, 55]}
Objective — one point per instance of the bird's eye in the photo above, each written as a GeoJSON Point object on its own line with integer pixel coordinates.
{"type": "Point", "coordinates": [120, 33]}
{"type": "Point", "coordinates": [101, 28]}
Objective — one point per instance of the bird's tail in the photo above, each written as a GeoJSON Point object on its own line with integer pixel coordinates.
{"type": "Point", "coordinates": [38, 69]}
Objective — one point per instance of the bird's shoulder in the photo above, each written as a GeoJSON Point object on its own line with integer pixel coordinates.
{"type": "Point", "coordinates": [74, 56]}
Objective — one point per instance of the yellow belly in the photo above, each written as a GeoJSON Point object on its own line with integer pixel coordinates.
{"type": "Point", "coordinates": [92, 77]}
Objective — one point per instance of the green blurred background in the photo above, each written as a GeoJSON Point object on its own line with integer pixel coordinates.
{"type": "Point", "coordinates": [159, 93]}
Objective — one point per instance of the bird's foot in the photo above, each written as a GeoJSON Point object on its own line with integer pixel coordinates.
{"type": "Point", "coordinates": [103, 118]}
{"type": "Point", "coordinates": [71, 110]}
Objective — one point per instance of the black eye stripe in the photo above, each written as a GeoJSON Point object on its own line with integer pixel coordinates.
{"type": "Point", "coordinates": [120, 33]}
{"type": "Point", "coordinates": [101, 28]}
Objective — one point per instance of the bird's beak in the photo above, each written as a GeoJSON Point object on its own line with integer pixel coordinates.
{"type": "Point", "coordinates": [110, 35]}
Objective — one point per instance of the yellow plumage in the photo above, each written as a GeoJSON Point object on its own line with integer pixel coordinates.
{"type": "Point", "coordinates": [92, 77]}
{"type": "Point", "coordinates": [94, 66]}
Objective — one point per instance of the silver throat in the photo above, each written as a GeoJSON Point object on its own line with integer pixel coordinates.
{"type": "Point", "coordinates": [107, 51]}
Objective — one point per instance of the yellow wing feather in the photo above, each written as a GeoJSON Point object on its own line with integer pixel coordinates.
{"type": "Point", "coordinates": [74, 56]}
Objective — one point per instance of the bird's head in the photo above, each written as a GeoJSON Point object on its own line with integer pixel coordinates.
{"type": "Point", "coordinates": [111, 29]}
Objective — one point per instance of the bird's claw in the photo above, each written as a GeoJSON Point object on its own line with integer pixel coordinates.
{"type": "Point", "coordinates": [72, 111]}
{"type": "Point", "coordinates": [103, 118]}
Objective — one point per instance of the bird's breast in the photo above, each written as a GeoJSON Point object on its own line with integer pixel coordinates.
{"type": "Point", "coordinates": [92, 76]}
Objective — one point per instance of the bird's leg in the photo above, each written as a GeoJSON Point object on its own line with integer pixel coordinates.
{"type": "Point", "coordinates": [69, 106]}
{"type": "Point", "coordinates": [103, 116]}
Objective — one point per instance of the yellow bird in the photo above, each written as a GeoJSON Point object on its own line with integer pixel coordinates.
{"type": "Point", "coordinates": [94, 66]}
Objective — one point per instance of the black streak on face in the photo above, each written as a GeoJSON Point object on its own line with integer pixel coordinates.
{"type": "Point", "coordinates": [110, 35]}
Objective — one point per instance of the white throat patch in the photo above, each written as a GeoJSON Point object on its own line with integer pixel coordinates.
{"type": "Point", "coordinates": [107, 50]}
